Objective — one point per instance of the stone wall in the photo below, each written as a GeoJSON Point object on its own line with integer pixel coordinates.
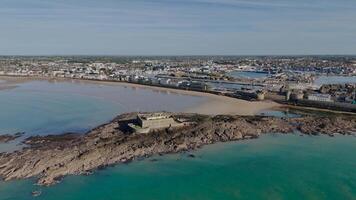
{"type": "Point", "coordinates": [157, 124]}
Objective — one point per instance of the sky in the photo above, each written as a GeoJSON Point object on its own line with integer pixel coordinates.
{"type": "Point", "coordinates": [177, 27]}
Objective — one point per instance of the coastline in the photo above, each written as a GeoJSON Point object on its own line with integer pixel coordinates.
{"type": "Point", "coordinates": [218, 119]}
{"type": "Point", "coordinates": [110, 143]}
{"type": "Point", "coordinates": [213, 105]}
{"type": "Point", "coordinates": [231, 106]}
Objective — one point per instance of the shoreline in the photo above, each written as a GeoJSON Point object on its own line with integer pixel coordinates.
{"type": "Point", "coordinates": [312, 109]}
{"type": "Point", "coordinates": [110, 143]}
{"type": "Point", "coordinates": [213, 105]}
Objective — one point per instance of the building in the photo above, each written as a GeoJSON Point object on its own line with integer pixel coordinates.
{"type": "Point", "coordinates": [320, 97]}
{"type": "Point", "coordinates": [194, 85]}
{"type": "Point", "coordinates": [294, 95]}
{"type": "Point", "coordinates": [260, 95]}
{"type": "Point", "coordinates": [155, 120]}
{"type": "Point", "coordinates": [250, 94]}
{"type": "Point", "coordinates": [145, 123]}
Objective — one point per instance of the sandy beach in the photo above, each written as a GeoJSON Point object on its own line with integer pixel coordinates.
{"type": "Point", "coordinates": [213, 105]}
{"type": "Point", "coordinates": [226, 105]}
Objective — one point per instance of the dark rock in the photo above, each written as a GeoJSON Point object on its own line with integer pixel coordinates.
{"type": "Point", "coordinates": [54, 156]}
{"type": "Point", "coordinates": [191, 156]}
{"type": "Point", "coordinates": [36, 193]}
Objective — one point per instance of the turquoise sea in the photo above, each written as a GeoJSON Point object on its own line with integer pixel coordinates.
{"type": "Point", "coordinates": [271, 167]}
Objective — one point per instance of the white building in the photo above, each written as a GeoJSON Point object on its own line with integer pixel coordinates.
{"type": "Point", "coordinates": [320, 97]}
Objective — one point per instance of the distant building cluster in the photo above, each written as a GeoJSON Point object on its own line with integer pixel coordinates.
{"type": "Point", "coordinates": [289, 78]}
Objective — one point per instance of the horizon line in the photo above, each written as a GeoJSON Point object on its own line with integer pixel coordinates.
{"type": "Point", "coordinates": [167, 55]}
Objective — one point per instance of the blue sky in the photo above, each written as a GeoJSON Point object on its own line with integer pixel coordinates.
{"type": "Point", "coordinates": [177, 27]}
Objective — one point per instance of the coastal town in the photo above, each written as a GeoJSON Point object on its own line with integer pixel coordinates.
{"type": "Point", "coordinates": [177, 100]}
{"type": "Point", "coordinates": [319, 81]}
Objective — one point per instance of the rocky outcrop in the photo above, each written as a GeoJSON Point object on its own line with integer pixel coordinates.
{"type": "Point", "coordinates": [51, 157]}
{"type": "Point", "coordinates": [7, 138]}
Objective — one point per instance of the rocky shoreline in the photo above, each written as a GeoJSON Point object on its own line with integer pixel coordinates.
{"type": "Point", "coordinates": [49, 158]}
{"type": "Point", "coordinates": [7, 137]}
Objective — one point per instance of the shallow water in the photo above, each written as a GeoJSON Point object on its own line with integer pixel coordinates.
{"type": "Point", "coordinates": [286, 113]}
{"type": "Point", "coordinates": [42, 107]}
{"type": "Point", "coordinates": [271, 167]}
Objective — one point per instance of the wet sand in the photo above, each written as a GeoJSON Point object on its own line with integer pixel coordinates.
{"type": "Point", "coordinates": [213, 105]}
{"type": "Point", "coordinates": [226, 105]}
{"type": "Point", "coordinates": [10, 82]}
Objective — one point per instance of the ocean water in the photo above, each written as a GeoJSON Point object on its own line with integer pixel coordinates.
{"type": "Point", "coordinates": [271, 167]}
{"type": "Point", "coordinates": [42, 107]}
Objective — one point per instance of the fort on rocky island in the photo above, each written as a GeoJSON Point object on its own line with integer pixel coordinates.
{"type": "Point", "coordinates": [146, 122]}
{"type": "Point", "coordinates": [49, 158]}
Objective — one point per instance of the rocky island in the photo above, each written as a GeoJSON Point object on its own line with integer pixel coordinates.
{"type": "Point", "coordinates": [131, 136]}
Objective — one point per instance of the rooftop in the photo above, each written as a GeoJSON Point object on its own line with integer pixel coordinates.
{"type": "Point", "coordinates": [154, 116]}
